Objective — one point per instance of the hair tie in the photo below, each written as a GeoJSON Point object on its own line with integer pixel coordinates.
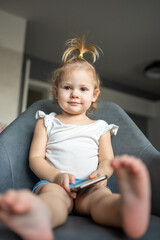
{"type": "Point", "coordinates": [80, 55]}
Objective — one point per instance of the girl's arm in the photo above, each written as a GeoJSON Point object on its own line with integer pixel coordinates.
{"type": "Point", "coordinates": [105, 156]}
{"type": "Point", "coordinates": [38, 164]}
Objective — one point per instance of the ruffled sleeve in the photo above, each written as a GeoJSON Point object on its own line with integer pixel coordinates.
{"type": "Point", "coordinates": [40, 114]}
{"type": "Point", "coordinates": [47, 120]}
{"type": "Point", "coordinates": [105, 127]}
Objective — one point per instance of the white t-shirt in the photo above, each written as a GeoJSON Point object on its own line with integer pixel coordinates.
{"type": "Point", "coordinates": [73, 148]}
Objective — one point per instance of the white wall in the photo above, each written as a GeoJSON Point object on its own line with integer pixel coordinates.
{"type": "Point", "coordinates": [139, 106]}
{"type": "Point", "coordinates": [12, 32]}
{"type": "Point", "coordinates": [12, 38]}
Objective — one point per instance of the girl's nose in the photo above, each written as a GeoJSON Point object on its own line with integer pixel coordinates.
{"type": "Point", "coordinates": [74, 94]}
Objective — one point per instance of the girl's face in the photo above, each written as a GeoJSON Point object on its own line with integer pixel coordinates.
{"type": "Point", "coordinates": [76, 91]}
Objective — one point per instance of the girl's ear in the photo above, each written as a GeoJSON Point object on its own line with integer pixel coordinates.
{"type": "Point", "coordinates": [55, 92]}
{"type": "Point", "coordinates": [95, 95]}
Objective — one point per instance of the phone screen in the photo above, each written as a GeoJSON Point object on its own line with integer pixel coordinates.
{"type": "Point", "coordinates": [87, 183]}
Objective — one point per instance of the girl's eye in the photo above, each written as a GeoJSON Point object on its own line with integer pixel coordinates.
{"type": "Point", "coordinates": [83, 89]}
{"type": "Point", "coordinates": [66, 87]}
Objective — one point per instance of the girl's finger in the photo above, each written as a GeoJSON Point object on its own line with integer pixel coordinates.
{"type": "Point", "coordinates": [72, 178]}
{"type": "Point", "coordinates": [72, 195]}
{"type": "Point", "coordinates": [93, 175]}
{"type": "Point", "coordinates": [66, 183]}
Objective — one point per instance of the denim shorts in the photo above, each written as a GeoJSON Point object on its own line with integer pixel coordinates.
{"type": "Point", "coordinates": [77, 181]}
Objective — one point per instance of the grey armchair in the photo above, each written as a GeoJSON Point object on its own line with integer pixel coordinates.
{"type": "Point", "coordinates": [15, 173]}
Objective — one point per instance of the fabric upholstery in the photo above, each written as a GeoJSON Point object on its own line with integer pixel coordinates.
{"type": "Point", "coordinates": [15, 142]}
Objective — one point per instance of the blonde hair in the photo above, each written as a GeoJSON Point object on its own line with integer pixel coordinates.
{"type": "Point", "coordinates": [73, 58]}
{"type": "Point", "coordinates": [77, 48]}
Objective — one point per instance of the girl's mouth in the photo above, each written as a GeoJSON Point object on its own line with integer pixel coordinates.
{"type": "Point", "coordinates": [74, 103]}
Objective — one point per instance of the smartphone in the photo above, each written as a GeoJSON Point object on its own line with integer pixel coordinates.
{"type": "Point", "coordinates": [87, 183]}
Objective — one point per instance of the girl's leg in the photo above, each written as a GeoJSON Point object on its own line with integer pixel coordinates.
{"type": "Point", "coordinates": [33, 217]}
{"type": "Point", "coordinates": [57, 200]}
{"type": "Point", "coordinates": [101, 204]}
{"type": "Point", "coordinates": [131, 209]}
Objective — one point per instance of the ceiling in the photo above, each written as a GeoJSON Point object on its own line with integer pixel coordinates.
{"type": "Point", "coordinates": [127, 31]}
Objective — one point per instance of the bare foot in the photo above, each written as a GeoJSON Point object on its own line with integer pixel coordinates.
{"type": "Point", "coordinates": [26, 215]}
{"type": "Point", "coordinates": [134, 185]}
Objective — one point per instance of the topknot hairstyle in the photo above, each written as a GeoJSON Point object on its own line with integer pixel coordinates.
{"type": "Point", "coordinates": [73, 58]}
{"type": "Point", "coordinates": [77, 48]}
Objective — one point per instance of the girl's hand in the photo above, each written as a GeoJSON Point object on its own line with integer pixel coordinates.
{"type": "Point", "coordinates": [63, 179]}
{"type": "Point", "coordinates": [96, 174]}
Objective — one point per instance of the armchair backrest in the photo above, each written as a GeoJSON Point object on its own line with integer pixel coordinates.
{"type": "Point", "coordinates": [15, 143]}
